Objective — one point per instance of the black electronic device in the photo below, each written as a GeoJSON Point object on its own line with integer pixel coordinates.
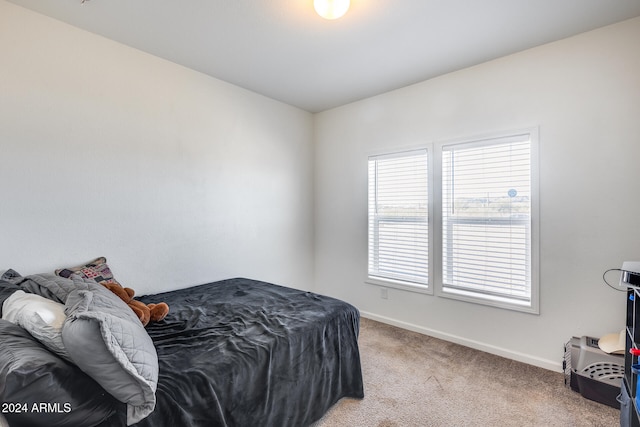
{"type": "Point", "coordinates": [630, 276]}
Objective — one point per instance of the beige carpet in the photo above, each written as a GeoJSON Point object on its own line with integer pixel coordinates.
{"type": "Point", "coordinates": [414, 380]}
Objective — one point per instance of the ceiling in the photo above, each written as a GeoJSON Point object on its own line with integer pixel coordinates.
{"type": "Point", "coordinates": [283, 50]}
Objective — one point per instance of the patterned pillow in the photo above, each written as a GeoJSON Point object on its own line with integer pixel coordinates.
{"type": "Point", "coordinates": [97, 270]}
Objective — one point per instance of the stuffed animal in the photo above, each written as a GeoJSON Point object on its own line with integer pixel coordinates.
{"type": "Point", "coordinates": [145, 312]}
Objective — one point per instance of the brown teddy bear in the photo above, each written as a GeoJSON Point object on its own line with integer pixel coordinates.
{"type": "Point", "coordinates": [145, 312]}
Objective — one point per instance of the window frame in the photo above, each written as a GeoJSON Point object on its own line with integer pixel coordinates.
{"type": "Point", "coordinates": [398, 283]}
{"type": "Point", "coordinates": [435, 284]}
{"type": "Point", "coordinates": [533, 304]}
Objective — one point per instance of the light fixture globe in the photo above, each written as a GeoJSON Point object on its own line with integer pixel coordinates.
{"type": "Point", "coordinates": [331, 9]}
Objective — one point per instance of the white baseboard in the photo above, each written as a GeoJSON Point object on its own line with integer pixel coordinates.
{"type": "Point", "coordinates": [554, 365]}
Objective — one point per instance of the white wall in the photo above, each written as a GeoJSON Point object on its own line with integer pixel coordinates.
{"type": "Point", "coordinates": [175, 177]}
{"type": "Point", "coordinates": [584, 94]}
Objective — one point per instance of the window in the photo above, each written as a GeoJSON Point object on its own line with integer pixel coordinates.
{"type": "Point", "coordinates": [398, 218]}
{"type": "Point", "coordinates": [487, 195]}
{"type": "Point", "coordinates": [478, 242]}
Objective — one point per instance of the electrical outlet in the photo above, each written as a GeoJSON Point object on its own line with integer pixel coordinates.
{"type": "Point", "coordinates": [383, 293]}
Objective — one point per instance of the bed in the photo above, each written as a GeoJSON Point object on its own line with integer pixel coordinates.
{"type": "Point", "coordinates": [237, 352]}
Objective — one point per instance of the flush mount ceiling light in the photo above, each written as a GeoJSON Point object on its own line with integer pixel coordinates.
{"type": "Point", "coordinates": [331, 9]}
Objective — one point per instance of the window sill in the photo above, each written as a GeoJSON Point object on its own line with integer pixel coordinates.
{"type": "Point", "coordinates": [488, 300]}
{"type": "Point", "coordinates": [396, 284]}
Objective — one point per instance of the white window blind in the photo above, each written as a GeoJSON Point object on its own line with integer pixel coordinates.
{"type": "Point", "coordinates": [486, 219]}
{"type": "Point", "coordinates": [398, 217]}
